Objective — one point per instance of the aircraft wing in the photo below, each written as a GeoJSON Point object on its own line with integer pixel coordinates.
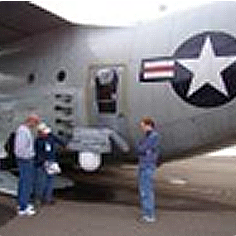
{"type": "Point", "coordinates": [21, 19]}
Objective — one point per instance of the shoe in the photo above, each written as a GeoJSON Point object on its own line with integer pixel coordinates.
{"type": "Point", "coordinates": [29, 206]}
{"type": "Point", "coordinates": [148, 219]}
{"type": "Point", "coordinates": [29, 211]}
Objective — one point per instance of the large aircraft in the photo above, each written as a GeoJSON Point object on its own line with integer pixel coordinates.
{"type": "Point", "coordinates": [95, 81]}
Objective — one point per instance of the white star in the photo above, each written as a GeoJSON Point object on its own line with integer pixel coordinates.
{"type": "Point", "coordinates": [207, 69]}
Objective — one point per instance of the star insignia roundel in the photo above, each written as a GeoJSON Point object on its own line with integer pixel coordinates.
{"type": "Point", "coordinates": [205, 69]}
{"type": "Point", "coordinates": [202, 70]}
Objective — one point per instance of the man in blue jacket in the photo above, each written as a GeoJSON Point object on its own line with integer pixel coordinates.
{"type": "Point", "coordinates": [148, 151]}
{"type": "Point", "coordinates": [45, 146]}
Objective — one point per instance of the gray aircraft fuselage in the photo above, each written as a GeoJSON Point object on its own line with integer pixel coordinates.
{"type": "Point", "coordinates": [178, 69]}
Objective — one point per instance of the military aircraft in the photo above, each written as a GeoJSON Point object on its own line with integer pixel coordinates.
{"type": "Point", "coordinates": [91, 83]}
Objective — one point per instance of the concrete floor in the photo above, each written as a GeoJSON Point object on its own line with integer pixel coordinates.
{"type": "Point", "coordinates": [195, 197]}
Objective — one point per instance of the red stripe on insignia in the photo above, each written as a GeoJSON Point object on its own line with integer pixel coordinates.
{"type": "Point", "coordinates": [159, 69]}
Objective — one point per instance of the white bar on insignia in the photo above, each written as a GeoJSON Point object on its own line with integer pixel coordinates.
{"type": "Point", "coordinates": [158, 64]}
{"type": "Point", "coordinates": [163, 74]}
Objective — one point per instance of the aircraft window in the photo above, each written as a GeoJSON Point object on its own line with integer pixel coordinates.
{"type": "Point", "coordinates": [31, 78]}
{"type": "Point", "coordinates": [61, 76]}
{"type": "Point", "coordinates": [106, 92]}
{"type": "Point", "coordinates": [61, 133]}
{"type": "Point", "coordinates": [107, 107]}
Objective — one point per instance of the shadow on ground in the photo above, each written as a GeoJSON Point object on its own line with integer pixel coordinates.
{"type": "Point", "coordinates": [94, 193]}
{"type": "Point", "coordinates": [7, 213]}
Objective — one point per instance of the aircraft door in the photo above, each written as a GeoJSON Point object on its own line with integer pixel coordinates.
{"type": "Point", "coordinates": [108, 103]}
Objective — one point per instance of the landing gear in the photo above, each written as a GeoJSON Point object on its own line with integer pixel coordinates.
{"type": "Point", "coordinates": [89, 161]}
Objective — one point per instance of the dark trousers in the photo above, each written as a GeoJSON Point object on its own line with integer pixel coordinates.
{"type": "Point", "coordinates": [43, 185]}
{"type": "Point", "coordinates": [48, 188]}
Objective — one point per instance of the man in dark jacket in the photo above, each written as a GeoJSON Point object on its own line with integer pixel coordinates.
{"type": "Point", "coordinates": [46, 147]}
{"type": "Point", "coordinates": [148, 151]}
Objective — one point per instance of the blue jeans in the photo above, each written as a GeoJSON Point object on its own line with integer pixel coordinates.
{"type": "Point", "coordinates": [43, 185]}
{"type": "Point", "coordinates": [146, 190]}
{"type": "Point", "coordinates": [25, 182]}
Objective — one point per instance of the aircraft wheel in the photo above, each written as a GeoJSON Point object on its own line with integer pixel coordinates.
{"type": "Point", "coordinates": [90, 161]}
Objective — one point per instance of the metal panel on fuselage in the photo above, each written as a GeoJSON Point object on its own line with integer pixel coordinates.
{"type": "Point", "coordinates": [78, 49]}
